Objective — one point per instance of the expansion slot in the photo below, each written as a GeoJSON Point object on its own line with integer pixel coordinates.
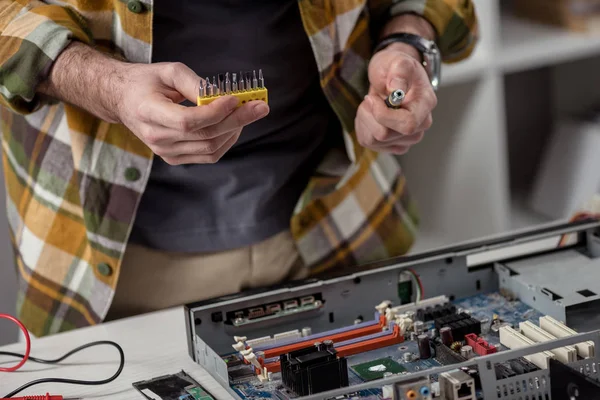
{"type": "Point", "coordinates": [584, 349]}
{"type": "Point", "coordinates": [514, 340]}
{"type": "Point", "coordinates": [354, 346]}
{"type": "Point", "coordinates": [431, 302]}
{"type": "Point", "coordinates": [566, 354]}
{"type": "Point", "coordinates": [334, 336]}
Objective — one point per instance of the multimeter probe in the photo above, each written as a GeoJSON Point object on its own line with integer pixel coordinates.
{"type": "Point", "coordinates": [246, 87]}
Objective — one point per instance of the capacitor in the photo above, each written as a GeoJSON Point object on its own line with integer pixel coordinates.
{"type": "Point", "coordinates": [424, 349]}
{"type": "Point", "coordinates": [466, 352]}
{"type": "Point", "coordinates": [419, 327]}
{"type": "Point", "coordinates": [485, 326]}
{"type": "Point", "coordinates": [328, 344]}
{"type": "Point", "coordinates": [446, 335]}
{"type": "Point", "coordinates": [407, 357]}
{"type": "Point", "coordinates": [306, 331]}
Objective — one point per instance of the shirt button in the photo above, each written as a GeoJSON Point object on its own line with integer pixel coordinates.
{"type": "Point", "coordinates": [132, 174]}
{"type": "Point", "coordinates": [104, 269]}
{"type": "Point", "coordinates": [135, 6]}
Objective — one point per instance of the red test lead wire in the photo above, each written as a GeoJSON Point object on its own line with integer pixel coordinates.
{"type": "Point", "coordinates": [44, 397]}
{"type": "Point", "coordinates": [27, 344]}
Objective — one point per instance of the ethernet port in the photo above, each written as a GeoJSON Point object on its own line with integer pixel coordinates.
{"type": "Point", "coordinates": [464, 390]}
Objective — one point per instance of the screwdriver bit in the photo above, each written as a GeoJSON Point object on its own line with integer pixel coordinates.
{"type": "Point", "coordinates": [201, 89]}
{"type": "Point", "coordinates": [227, 83]}
{"type": "Point", "coordinates": [261, 80]}
{"type": "Point", "coordinates": [394, 100]}
{"type": "Point", "coordinates": [254, 80]}
{"type": "Point", "coordinates": [248, 82]}
{"type": "Point", "coordinates": [209, 90]}
{"type": "Point", "coordinates": [221, 84]}
{"type": "Point", "coordinates": [234, 82]}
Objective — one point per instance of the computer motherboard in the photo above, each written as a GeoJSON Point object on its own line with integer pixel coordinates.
{"type": "Point", "coordinates": [441, 333]}
{"type": "Point", "coordinates": [509, 327]}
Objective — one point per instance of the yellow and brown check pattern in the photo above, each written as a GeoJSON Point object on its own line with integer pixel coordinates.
{"type": "Point", "coordinates": [74, 182]}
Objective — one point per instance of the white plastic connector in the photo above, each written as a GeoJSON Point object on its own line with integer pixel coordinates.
{"type": "Point", "coordinates": [247, 351]}
{"type": "Point", "coordinates": [405, 324]}
{"type": "Point", "coordinates": [560, 330]}
{"type": "Point", "coordinates": [566, 354]}
{"type": "Point", "coordinates": [381, 307]}
{"type": "Point", "coordinates": [239, 346]}
{"type": "Point", "coordinates": [240, 338]}
{"type": "Point", "coordinates": [264, 375]}
{"type": "Point", "coordinates": [514, 340]}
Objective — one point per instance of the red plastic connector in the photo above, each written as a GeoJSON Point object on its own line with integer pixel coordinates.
{"type": "Point", "coordinates": [479, 345]}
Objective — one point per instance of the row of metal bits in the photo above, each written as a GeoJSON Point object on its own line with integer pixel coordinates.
{"type": "Point", "coordinates": [222, 85]}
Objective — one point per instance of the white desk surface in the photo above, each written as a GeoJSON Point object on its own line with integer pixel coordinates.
{"type": "Point", "coordinates": [154, 345]}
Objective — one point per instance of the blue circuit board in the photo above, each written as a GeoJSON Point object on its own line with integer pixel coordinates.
{"type": "Point", "coordinates": [483, 306]}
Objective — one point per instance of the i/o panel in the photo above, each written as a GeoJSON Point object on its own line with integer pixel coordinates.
{"type": "Point", "coordinates": [457, 333]}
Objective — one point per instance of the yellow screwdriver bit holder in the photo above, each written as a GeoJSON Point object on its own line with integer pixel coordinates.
{"type": "Point", "coordinates": [243, 97]}
{"type": "Point", "coordinates": [248, 88]}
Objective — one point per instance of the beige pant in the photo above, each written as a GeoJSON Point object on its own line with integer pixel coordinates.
{"type": "Point", "coordinates": [152, 280]}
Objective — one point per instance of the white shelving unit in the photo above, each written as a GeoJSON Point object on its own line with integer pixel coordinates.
{"type": "Point", "coordinates": [472, 173]}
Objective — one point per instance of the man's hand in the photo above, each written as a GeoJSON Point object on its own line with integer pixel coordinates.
{"type": "Point", "coordinates": [181, 135]}
{"type": "Point", "coordinates": [395, 130]}
{"type": "Point", "coordinates": [397, 67]}
{"type": "Point", "coordinates": [145, 98]}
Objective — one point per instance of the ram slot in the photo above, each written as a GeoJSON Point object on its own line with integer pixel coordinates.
{"type": "Point", "coordinates": [566, 354]}
{"type": "Point", "coordinates": [514, 340]}
{"type": "Point", "coordinates": [554, 327]}
{"type": "Point", "coordinates": [353, 346]}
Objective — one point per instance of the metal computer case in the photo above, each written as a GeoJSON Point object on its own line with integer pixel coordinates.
{"type": "Point", "coordinates": [457, 271]}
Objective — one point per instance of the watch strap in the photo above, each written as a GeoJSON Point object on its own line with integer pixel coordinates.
{"type": "Point", "coordinates": [408, 38]}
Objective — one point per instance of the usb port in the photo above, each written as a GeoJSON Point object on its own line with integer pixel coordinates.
{"type": "Point", "coordinates": [256, 312]}
{"type": "Point", "coordinates": [307, 300]}
{"type": "Point", "coordinates": [290, 304]}
{"type": "Point", "coordinates": [273, 308]}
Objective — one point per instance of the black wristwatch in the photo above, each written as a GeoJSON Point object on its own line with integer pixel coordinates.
{"type": "Point", "coordinates": [430, 54]}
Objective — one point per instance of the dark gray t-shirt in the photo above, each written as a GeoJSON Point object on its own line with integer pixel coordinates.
{"type": "Point", "coordinates": [249, 195]}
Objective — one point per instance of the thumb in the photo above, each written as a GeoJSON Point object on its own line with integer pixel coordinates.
{"type": "Point", "coordinates": [180, 77]}
{"type": "Point", "coordinates": [396, 82]}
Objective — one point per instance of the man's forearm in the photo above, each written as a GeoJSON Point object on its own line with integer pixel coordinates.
{"type": "Point", "coordinates": [85, 78]}
{"type": "Point", "coordinates": [408, 23]}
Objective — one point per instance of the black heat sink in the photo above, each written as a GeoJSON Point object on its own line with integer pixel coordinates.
{"type": "Point", "coordinates": [433, 313]}
{"type": "Point", "coordinates": [313, 370]}
{"type": "Point", "coordinates": [461, 324]}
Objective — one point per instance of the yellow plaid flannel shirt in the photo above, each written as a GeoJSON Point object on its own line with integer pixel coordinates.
{"type": "Point", "coordinates": [74, 181]}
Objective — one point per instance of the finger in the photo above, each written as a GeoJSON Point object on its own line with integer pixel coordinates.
{"type": "Point", "coordinates": [245, 115]}
{"type": "Point", "coordinates": [405, 121]}
{"type": "Point", "coordinates": [368, 130]}
{"type": "Point", "coordinates": [181, 78]}
{"type": "Point", "coordinates": [391, 73]}
{"type": "Point", "coordinates": [160, 111]}
{"type": "Point", "coordinates": [389, 137]}
{"type": "Point", "coordinates": [403, 141]}
{"type": "Point", "coordinates": [195, 147]}
{"type": "Point", "coordinates": [204, 158]}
